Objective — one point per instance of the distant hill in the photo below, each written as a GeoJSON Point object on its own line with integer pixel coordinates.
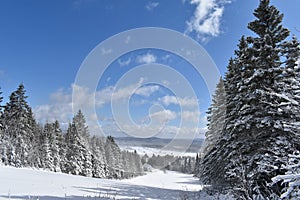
{"type": "Point", "coordinates": [159, 143]}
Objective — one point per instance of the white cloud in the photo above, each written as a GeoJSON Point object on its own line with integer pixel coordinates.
{"type": "Point", "coordinates": [146, 58]}
{"type": "Point", "coordinates": [124, 63]}
{"type": "Point", "coordinates": [151, 5]}
{"type": "Point", "coordinates": [147, 90]}
{"type": "Point", "coordinates": [206, 21]}
{"type": "Point", "coordinates": [163, 116]}
{"type": "Point", "coordinates": [167, 100]}
{"type": "Point", "coordinates": [62, 101]}
{"type": "Point", "coordinates": [158, 119]}
{"type": "Point", "coordinates": [59, 108]}
{"type": "Point", "coordinates": [126, 91]}
{"type": "Point", "coordinates": [185, 102]}
{"type": "Point", "coordinates": [193, 116]}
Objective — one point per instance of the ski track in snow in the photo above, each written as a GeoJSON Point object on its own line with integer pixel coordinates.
{"type": "Point", "coordinates": [25, 183]}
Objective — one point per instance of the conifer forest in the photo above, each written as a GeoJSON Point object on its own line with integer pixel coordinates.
{"type": "Point", "coordinates": [251, 147]}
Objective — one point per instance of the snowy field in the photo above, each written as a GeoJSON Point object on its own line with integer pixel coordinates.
{"type": "Point", "coordinates": [150, 151]}
{"type": "Point", "coordinates": [35, 184]}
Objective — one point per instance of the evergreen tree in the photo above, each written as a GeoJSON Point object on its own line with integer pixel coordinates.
{"type": "Point", "coordinates": [215, 118]}
{"type": "Point", "coordinates": [291, 179]}
{"type": "Point", "coordinates": [35, 157]}
{"type": "Point", "coordinates": [138, 164]}
{"type": "Point", "coordinates": [58, 148]}
{"type": "Point", "coordinates": [99, 164]}
{"type": "Point", "coordinates": [288, 84]}
{"type": "Point", "coordinates": [79, 158]}
{"type": "Point", "coordinates": [25, 143]}
{"type": "Point", "coordinates": [50, 147]}
{"type": "Point", "coordinates": [46, 153]}
{"type": "Point", "coordinates": [1, 114]}
{"type": "Point", "coordinates": [113, 158]}
{"type": "Point", "coordinates": [81, 127]}
{"type": "Point", "coordinates": [74, 161]}
{"type": "Point", "coordinates": [197, 166]}
{"type": "Point", "coordinates": [18, 120]}
{"type": "Point", "coordinates": [128, 164]}
{"type": "Point", "coordinates": [261, 104]}
{"type": "Point", "coordinates": [3, 145]}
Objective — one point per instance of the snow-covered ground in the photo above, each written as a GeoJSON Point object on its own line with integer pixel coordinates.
{"type": "Point", "coordinates": [35, 184]}
{"type": "Point", "coordinates": [150, 151]}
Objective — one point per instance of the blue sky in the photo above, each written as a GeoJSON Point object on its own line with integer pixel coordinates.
{"type": "Point", "coordinates": [43, 44]}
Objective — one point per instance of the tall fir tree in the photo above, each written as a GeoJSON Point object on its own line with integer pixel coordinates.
{"type": "Point", "coordinates": [18, 119]}
{"type": "Point", "coordinates": [58, 148]}
{"type": "Point", "coordinates": [99, 165]}
{"type": "Point", "coordinates": [291, 179]}
{"type": "Point", "coordinates": [113, 158]}
{"type": "Point", "coordinates": [215, 118]}
{"type": "Point", "coordinates": [78, 156]}
{"type": "Point", "coordinates": [260, 85]}
{"type": "Point", "coordinates": [3, 142]}
{"type": "Point", "coordinates": [46, 153]}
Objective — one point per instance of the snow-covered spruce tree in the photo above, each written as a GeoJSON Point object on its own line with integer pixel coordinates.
{"type": "Point", "coordinates": [19, 130]}
{"type": "Point", "coordinates": [138, 167]}
{"type": "Point", "coordinates": [237, 70]}
{"type": "Point", "coordinates": [197, 166]}
{"type": "Point", "coordinates": [83, 132]}
{"type": "Point", "coordinates": [208, 170]}
{"type": "Point", "coordinates": [127, 164]}
{"type": "Point", "coordinates": [255, 140]}
{"type": "Point", "coordinates": [270, 106]}
{"type": "Point", "coordinates": [288, 83]}
{"type": "Point", "coordinates": [35, 156]}
{"type": "Point", "coordinates": [291, 179]}
{"type": "Point", "coordinates": [3, 145]}
{"type": "Point", "coordinates": [70, 167]}
{"type": "Point", "coordinates": [113, 158]}
{"type": "Point", "coordinates": [46, 153]}
{"type": "Point", "coordinates": [57, 147]}
{"type": "Point", "coordinates": [132, 165]}
{"type": "Point", "coordinates": [78, 156]}
{"type": "Point", "coordinates": [99, 164]}
{"type": "Point", "coordinates": [215, 118]}
{"type": "Point", "coordinates": [50, 144]}
{"type": "Point", "coordinates": [60, 143]}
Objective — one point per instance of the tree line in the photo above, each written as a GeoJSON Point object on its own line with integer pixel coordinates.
{"type": "Point", "coordinates": [183, 164]}
{"type": "Point", "coordinates": [253, 139]}
{"type": "Point", "coordinates": [26, 143]}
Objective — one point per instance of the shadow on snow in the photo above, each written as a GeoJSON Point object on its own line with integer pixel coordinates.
{"type": "Point", "coordinates": [121, 191]}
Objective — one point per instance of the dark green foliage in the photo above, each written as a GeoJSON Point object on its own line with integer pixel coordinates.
{"type": "Point", "coordinates": [262, 112]}
{"type": "Point", "coordinates": [215, 118]}
{"type": "Point", "coordinates": [19, 128]}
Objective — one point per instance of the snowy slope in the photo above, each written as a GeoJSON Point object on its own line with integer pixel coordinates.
{"type": "Point", "coordinates": [150, 151]}
{"type": "Point", "coordinates": [36, 184]}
